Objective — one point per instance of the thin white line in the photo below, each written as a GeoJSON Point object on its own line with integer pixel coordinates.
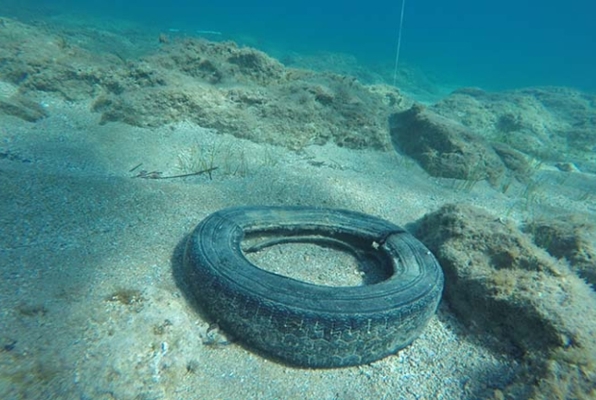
{"type": "Point", "coordinates": [401, 24]}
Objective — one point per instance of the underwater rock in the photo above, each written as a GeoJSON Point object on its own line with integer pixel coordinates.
{"type": "Point", "coordinates": [244, 92]}
{"type": "Point", "coordinates": [23, 108]}
{"type": "Point", "coordinates": [498, 280]}
{"type": "Point", "coordinates": [219, 85]}
{"type": "Point", "coordinates": [443, 147]}
{"type": "Point", "coordinates": [218, 63]}
{"type": "Point", "coordinates": [515, 161]}
{"type": "Point", "coordinates": [553, 124]}
{"type": "Point", "coordinates": [41, 59]}
{"type": "Point", "coordinates": [569, 237]}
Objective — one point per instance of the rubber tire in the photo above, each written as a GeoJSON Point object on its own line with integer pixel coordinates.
{"type": "Point", "coordinates": [305, 324]}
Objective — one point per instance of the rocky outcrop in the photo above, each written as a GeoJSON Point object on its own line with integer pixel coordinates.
{"type": "Point", "coordinates": [446, 148]}
{"type": "Point", "coordinates": [498, 280]}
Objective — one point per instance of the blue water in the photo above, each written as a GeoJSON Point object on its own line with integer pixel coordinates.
{"type": "Point", "coordinates": [493, 45]}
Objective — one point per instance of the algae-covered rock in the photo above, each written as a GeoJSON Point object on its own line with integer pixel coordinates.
{"type": "Point", "coordinates": [552, 124]}
{"type": "Point", "coordinates": [497, 279]}
{"type": "Point", "coordinates": [444, 147]}
{"type": "Point", "coordinates": [570, 237]}
{"type": "Point", "coordinates": [22, 107]}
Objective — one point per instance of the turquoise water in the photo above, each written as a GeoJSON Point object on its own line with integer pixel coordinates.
{"type": "Point", "coordinates": [493, 45]}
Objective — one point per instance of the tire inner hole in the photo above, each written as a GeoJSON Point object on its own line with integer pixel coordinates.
{"type": "Point", "coordinates": [318, 260]}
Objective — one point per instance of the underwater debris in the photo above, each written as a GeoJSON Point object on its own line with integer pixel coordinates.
{"type": "Point", "coordinates": [9, 346]}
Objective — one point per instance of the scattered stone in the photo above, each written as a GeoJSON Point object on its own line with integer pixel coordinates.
{"type": "Point", "coordinates": [129, 297]}
{"type": "Point", "coordinates": [566, 167]}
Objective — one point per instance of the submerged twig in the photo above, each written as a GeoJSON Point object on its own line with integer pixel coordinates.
{"type": "Point", "coordinates": [158, 174]}
{"type": "Point", "coordinates": [135, 167]}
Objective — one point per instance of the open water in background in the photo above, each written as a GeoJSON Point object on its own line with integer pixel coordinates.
{"type": "Point", "coordinates": [489, 44]}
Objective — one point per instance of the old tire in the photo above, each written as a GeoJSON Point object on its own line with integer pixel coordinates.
{"type": "Point", "coordinates": [305, 324]}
